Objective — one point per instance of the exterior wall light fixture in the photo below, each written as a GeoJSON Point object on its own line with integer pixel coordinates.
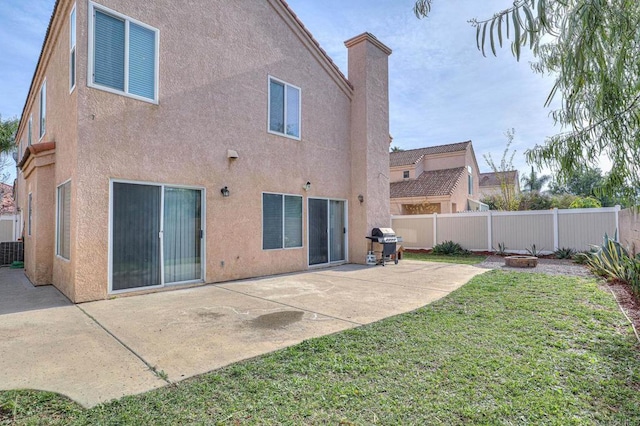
{"type": "Point", "coordinates": [225, 191]}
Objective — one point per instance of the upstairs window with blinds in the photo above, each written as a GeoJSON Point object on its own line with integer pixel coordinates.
{"type": "Point", "coordinates": [63, 228]}
{"type": "Point", "coordinates": [281, 221]}
{"type": "Point", "coordinates": [43, 109]}
{"type": "Point", "coordinates": [72, 49]}
{"type": "Point", "coordinates": [123, 55]}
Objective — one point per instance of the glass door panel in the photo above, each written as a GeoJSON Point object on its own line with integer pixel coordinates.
{"type": "Point", "coordinates": [318, 238]}
{"type": "Point", "coordinates": [136, 236]}
{"type": "Point", "coordinates": [182, 243]}
{"type": "Point", "coordinates": [336, 231]}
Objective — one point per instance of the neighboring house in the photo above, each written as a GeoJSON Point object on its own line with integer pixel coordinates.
{"type": "Point", "coordinates": [491, 183]}
{"type": "Point", "coordinates": [8, 216]}
{"type": "Point", "coordinates": [436, 179]}
{"type": "Point", "coordinates": [168, 143]}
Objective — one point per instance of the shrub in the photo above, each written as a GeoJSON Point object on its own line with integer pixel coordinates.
{"type": "Point", "coordinates": [585, 203]}
{"type": "Point", "coordinates": [613, 262]}
{"type": "Point", "coordinates": [450, 248]}
{"type": "Point", "coordinates": [564, 253]}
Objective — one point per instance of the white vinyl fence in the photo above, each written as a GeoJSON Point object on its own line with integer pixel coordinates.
{"type": "Point", "coordinates": [549, 230]}
{"type": "Point", "coordinates": [8, 228]}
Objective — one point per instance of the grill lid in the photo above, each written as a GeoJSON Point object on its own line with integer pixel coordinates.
{"type": "Point", "coordinates": [383, 232]}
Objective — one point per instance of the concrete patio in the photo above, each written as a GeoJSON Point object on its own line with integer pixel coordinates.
{"type": "Point", "coordinates": [98, 351]}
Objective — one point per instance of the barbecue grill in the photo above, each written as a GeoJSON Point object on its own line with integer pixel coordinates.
{"type": "Point", "coordinates": [388, 239]}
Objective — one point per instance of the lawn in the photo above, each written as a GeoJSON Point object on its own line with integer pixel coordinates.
{"type": "Point", "coordinates": [471, 259]}
{"type": "Point", "coordinates": [507, 348]}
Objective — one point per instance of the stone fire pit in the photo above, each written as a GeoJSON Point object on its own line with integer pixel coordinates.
{"type": "Point", "coordinates": [521, 261]}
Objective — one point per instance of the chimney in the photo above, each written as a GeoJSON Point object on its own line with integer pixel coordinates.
{"type": "Point", "coordinates": [369, 75]}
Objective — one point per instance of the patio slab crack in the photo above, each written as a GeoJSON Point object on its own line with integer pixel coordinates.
{"type": "Point", "coordinates": [159, 374]}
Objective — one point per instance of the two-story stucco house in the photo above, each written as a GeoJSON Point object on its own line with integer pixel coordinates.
{"type": "Point", "coordinates": [174, 143]}
{"type": "Point", "coordinates": [491, 183]}
{"type": "Point", "coordinates": [435, 179]}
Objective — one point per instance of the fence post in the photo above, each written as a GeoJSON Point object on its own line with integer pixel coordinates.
{"type": "Point", "coordinates": [490, 231]}
{"type": "Point", "coordinates": [435, 229]}
{"type": "Point", "coordinates": [617, 213]}
{"type": "Point", "coordinates": [556, 235]}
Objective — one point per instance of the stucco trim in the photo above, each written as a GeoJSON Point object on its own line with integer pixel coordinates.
{"type": "Point", "coordinates": [33, 150]}
{"type": "Point", "coordinates": [371, 39]}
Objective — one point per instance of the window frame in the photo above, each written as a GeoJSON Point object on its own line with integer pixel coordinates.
{"type": "Point", "coordinates": [406, 174]}
{"type": "Point", "coordinates": [470, 180]}
{"type": "Point", "coordinates": [60, 217]}
{"type": "Point", "coordinates": [72, 49]}
{"type": "Point", "coordinates": [93, 7]}
{"type": "Point", "coordinates": [42, 117]}
{"type": "Point", "coordinates": [30, 131]}
{"type": "Point", "coordinates": [29, 213]}
{"type": "Point", "coordinates": [283, 245]}
{"type": "Point", "coordinates": [285, 84]}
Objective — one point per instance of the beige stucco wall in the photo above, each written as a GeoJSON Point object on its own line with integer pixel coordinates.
{"type": "Point", "coordinates": [38, 246]}
{"type": "Point", "coordinates": [445, 161]}
{"type": "Point", "coordinates": [42, 174]}
{"type": "Point", "coordinates": [629, 223]}
{"type": "Point", "coordinates": [213, 97]}
{"type": "Point", "coordinates": [369, 74]}
{"type": "Point", "coordinates": [397, 173]}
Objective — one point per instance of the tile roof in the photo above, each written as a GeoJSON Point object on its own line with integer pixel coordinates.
{"type": "Point", "coordinates": [412, 156]}
{"type": "Point", "coordinates": [429, 184]}
{"type": "Point", "coordinates": [7, 205]}
{"type": "Point", "coordinates": [491, 178]}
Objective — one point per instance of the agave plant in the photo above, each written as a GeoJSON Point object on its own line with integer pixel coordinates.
{"type": "Point", "coordinates": [534, 251]}
{"type": "Point", "coordinates": [609, 260]}
{"type": "Point", "coordinates": [564, 253]}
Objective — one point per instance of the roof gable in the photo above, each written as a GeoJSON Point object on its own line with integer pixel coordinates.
{"type": "Point", "coordinates": [429, 184]}
{"type": "Point", "coordinates": [413, 156]}
{"type": "Point", "coordinates": [491, 178]}
{"type": "Point", "coordinates": [281, 6]}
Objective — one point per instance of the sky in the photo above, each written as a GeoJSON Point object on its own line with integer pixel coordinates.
{"type": "Point", "coordinates": [442, 90]}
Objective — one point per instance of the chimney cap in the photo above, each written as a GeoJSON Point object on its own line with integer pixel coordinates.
{"type": "Point", "coordinates": [370, 38]}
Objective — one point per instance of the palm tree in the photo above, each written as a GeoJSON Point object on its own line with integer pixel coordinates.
{"type": "Point", "coordinates": [396, 149]}
{"type": "Point", "coordinates": [533, 182]}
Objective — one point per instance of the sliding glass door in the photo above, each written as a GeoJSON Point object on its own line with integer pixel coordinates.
{"type": "Point", "coordinates": [327, 231]}
{"type": "Point", "coordinates": [157, 235]}
{"type": "Point", "coordinates": [181, 235]}
{"type": "Point", "coordinates": [136, 236]}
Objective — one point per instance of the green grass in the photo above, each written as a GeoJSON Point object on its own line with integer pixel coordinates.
{"type": "Point", "coordinates": [505, 349]}
{"type": "Point", "coordinates": [471, 259]}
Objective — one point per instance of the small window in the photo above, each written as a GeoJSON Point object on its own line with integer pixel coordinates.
{"type": "Point", "coordinates": [72, 49]}
{"type": "Point", "coordinates": [30, 131]}
{"type": "Point", "coordinates": [29, 213]}
{"type": "Point", "coordinates": [470, 185]}
{"type": "Point", "coordinates": [123, 55]}
{"type": "Point", "coordinates": [281, 221]}
{"type": "Point", "coordinates": [284, 109]}
{"type": "Point", "coordinates": [63, 228]}
{"type": "Point", "coordinates": [43, 109]}
{"type": "Point", "coordinates": [405, 174]}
